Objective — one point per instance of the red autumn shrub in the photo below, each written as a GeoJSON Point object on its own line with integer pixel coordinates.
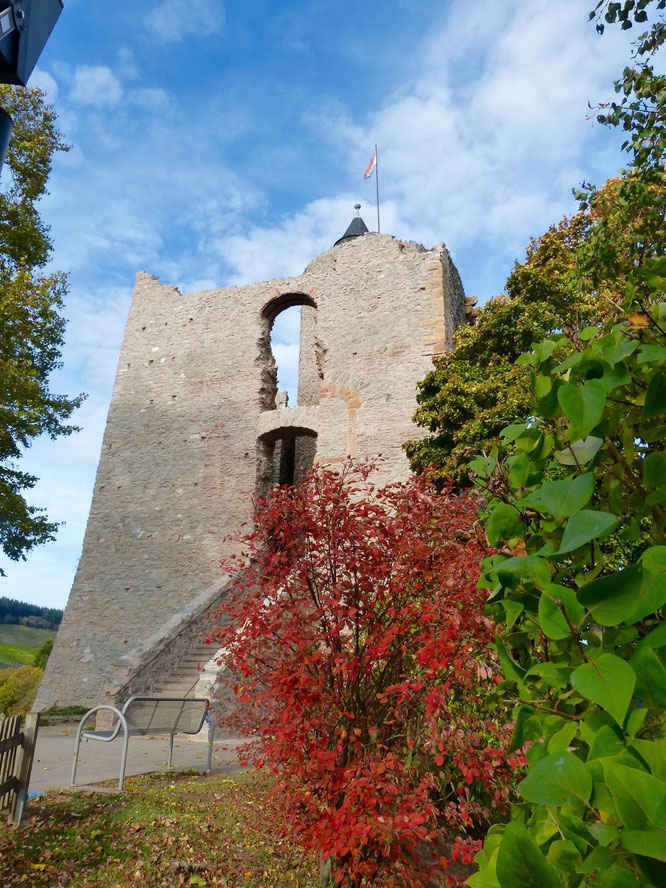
{"type": "Point", "coordinates": [359, 652]}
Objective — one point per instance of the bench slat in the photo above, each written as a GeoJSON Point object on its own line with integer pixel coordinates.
{"type": "Point", "coordinates": [167, 715]}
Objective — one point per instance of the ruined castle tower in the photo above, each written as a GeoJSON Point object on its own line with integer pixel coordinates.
{"type": "Point", "coordinates": [196, 432]}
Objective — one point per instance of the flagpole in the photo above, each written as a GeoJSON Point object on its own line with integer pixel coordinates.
{"type": "Point", "coordinates": [379, 230]}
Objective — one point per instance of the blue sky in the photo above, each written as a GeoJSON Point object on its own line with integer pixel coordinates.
{"type": "Point", "coordinates": [217, 143]}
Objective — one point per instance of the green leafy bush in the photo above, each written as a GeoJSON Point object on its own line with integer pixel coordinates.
{"type": "Point", "coordinates": [43, 654]}
{"type": "Point", "coordinates": [18, 689]}
{"type": "Point", "coordinates": [577, 511]}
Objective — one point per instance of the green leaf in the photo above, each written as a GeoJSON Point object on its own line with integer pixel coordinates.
{"type": "Point", "coordinates": [635, 722]}
{"type": "Point", "coordinates": [654, 639]}
{"type": "Point", "coordinates": [600, 858]}
{"type": "Point", "coordinates": [640, 798]}
{"type": "Point", "coordinates": [621, 351]}
{"type": "Point", "coordinates": [555, 778]}
{"type": "Point", "coordinates": [520, 469]}
{"type": "Point", "coordinates": [580, 452]}
{"type": "Point", "coordinates": [612, 599]}
{"type": "Point", "coordinates": [630, 595]}
{"type": "Point", "coordinates": [543, 350]}
{"type": "Point", "coordinates": [551, 618]}
{"type": "Point", "coordinates": [561, 740]}
{"type": "Point", "coordinates": [584, 526]}
{"type": "Point", "coordinates": [510, 668]}
{"type": "Point", "coordinates": [614, 377]}
{"type": "Point", "coordinates": [564, 855]}
{"type": "Point", "coordinates": [650, 678]}
{"type": "Point", "coordinates": [616, 877]}
{"type": "Point", "coordinates": [609, 682]}
{"type": "Point", "coordinates": [527, 727]}
{"type": "Point", "coordinates": [653, 752]}
{"type": "Point", "coordinates": [541, 385]}
{"type": "Point", "coordinates": [487, 875]}
{"type": "Point", "coordinates": [584, 406]}
{"type": "Point", "coordinates": [554, 676]}
{"type": "Point", "coordinates": [654, 470]}
{"type": "Point", "coordinates": [652, 353]}
{"type": "Point", "coordinates": [520, 863]}
{"type": "Point", "coordinates": [653, 587]}
{"type": "Point", "coordinates": [512, 610]}
{"type": "Point", "coordinates": [605, 743]}
{"type": "Point", "coordinates": [484, 465]}
{"type": "Point", "coordinates": [503, 524]}
{"type": "Point", "coordinates": [517, 569]}
{"type": "Point", "coordinates": [647, 842]}
{"type": "Point", "coordinates": [602, 799]}
{"type": "Point", "coordinates": [563, 498]}
{"type": "Point", "coordinates": [655, 397]}
{"type": "Point", "coordinates": [510, 433]}
{"type": "Point", "coordinates": [604, 833]}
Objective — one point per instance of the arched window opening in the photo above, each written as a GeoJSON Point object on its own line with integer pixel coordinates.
{"type": "Point", "coordinates": [284, 457]}
{"type": "Point", "coordinates": [285, 347]}
{"type": "Point", "coordinates": [288, 352]}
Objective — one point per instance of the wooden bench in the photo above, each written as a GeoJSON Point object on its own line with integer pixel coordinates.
{"type": "Point", "coordinates": [142, 716]}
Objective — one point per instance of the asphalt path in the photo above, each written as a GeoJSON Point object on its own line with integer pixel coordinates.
{"type": "Point", "coordinates": [54, 753]}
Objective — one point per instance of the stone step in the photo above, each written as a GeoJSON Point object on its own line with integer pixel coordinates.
{"type": "Point", "coordinates": [186, 690]}
{"type": "Point", "coordinates": [200, 656]}
{"type": "Point", "coordinates": [183, 679]}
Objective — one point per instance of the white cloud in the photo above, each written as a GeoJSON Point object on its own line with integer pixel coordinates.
{"type": "Point", "coordinates": [173, 20]}
{"type": "Point", "coordinates": [126, 64]}
{"type": "Point", "coordinates": [475, 145]}
{"type": "Point", "coordinates": [155, 100]}
{"type": "Point", "coordinates": [96, 85]}
{"type": "Point", "coordinates": [43, 80]}
{"type": "Point", "coordinates": [260, 253]}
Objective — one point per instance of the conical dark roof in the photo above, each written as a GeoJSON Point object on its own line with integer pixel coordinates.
{"type": "Point", "coordinates": [356, 228]}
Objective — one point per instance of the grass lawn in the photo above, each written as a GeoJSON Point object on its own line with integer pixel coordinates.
{"type": "Point", "coordinates": [19, 644]}
{"type": "Point", "coordinates": [164, 831]}
{"type": "Point", "coordinates": [24, 636]}
{"type": "Point", "coordinates": [10, 655]}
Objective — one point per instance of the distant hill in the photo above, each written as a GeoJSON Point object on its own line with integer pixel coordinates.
{"type": "Point", "coordinates": [20, 613]}
{"type": "Point", "coordinates": [19, 644]}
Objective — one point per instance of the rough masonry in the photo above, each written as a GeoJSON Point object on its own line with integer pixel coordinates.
{"type": "Point", "coordinates": [195, 424]}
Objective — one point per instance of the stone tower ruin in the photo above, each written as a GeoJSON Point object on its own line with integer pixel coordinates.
{"type": "Point", "coordinates": [196, 432]}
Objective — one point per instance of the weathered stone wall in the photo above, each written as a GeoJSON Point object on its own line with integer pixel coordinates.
{"type": "Point", "coordinates": [193, 421]}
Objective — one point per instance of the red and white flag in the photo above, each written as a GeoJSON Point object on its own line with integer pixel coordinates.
{"type": "Point", "coordinates": [371, 166]}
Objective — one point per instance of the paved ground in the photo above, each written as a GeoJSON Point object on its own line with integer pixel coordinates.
{"type": "Point", "coordinates": [101, 761]}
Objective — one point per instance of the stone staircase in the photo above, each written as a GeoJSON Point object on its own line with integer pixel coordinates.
{"type": "Point", "coordinates": [183, 679]}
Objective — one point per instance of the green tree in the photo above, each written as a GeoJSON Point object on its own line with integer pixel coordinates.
{"type": "Point", "coordinates": [43, 654]}
{"type": "Point", "coordinates": [31, 324]}
{"type": "Point", "coordinates": [583, 641]}
{"type": "Point", "coordinates": [573, 274]}
{"type": "Point", "coordinates": [578, 514]}
{"type": "Point", "coordinates": [476, 390]}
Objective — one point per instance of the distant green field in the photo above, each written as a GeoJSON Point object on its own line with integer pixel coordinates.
{"type": "Point", "coordinates": [24, 636]}
{"type": "Point", "coordinates": [18, 644]}
{"type": "Point", "coordinates": [16, 656]}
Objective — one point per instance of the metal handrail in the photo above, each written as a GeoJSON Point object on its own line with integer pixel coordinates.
{"type": "Point", "coordinates": [169, 641]}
